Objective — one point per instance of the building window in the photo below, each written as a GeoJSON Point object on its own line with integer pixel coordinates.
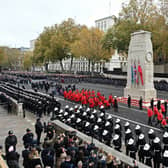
{"type": "Point", "coordinates": [101, 25]}
{"type": "Point", "coordinates": [105, 25]}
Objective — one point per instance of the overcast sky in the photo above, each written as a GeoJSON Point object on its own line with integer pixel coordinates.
{"type": "Point", "coordinates": [23, 20]}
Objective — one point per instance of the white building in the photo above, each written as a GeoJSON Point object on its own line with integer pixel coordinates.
{"type": "Point", "coordinates": [164, 9]}
{"type": "Point", "coordinates": [116, 60]}
{"type": "Point", "coordinates": [105, 23]}
{"type": "Point", "coordinates": [32, 44]}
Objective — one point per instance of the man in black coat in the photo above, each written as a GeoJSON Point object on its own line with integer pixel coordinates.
{"type": "Point", "coordinates": [25, 155]}
{"type": "Point", "coordinates": [12, 158]}
{"type": "Point", "coordinates": [38, 130]}
{"type": "Point", "coordinates": [28, 137]}
{"type": "Point", "coordinates": [47, 155]}
{"type": "Point", "coordinates": [11, 140]}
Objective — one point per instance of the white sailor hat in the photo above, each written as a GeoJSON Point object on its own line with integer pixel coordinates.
{"type": "Point", "coordinates": [127, 124]}
{"type": "Point", "coordinates": [88, 109]}
{"type": "Point", "coordinates": [105, 132]}
{"type": "Point", "coordinates": [151, 131]}
{"type": "Point", "coordinates": [165, 154]}
{"type": "Point", "coordinates": [72, 116]}
{"type": "Point", "coordinates": [78, 111]}
{"type": "Point", "coordinates": [80, 107]}
{"type": "Point", "coordinates": [63, 119]}
{"type": "Point", "coordinates": [115, 96]}
{"type": "Point", "coordinates": [116, 136]}
{"type": "Point", "coordinates": [130, 141]}
{"type": "Point", "coordinates": [146, 147]}
{"type": "Point", "coordinates": [60, 115]}
{"type": "Point", "coordinates": [66, 106]}
{"type": "Point", "coordinates": [76, 106]}
{"type": "Point", "coordinates": [66, 113]}
{"type": "Point", "coordinates": [78, 120]}
{"type": "Point", "coordinates": [94, 111]}
{"type": "Point", "coordinates": [162, 101]}
{"type": "Point", "coordinates": [101, 107]}
{"type": "Point", "coordinates": [68, 119]}
{"type": "Point", "coordinates": [61, 111]}
{"type": "Point", "coordinates": [92, 116]}
{"type": "Point", "coordinates": [109, 117]}
{"type": "Point", "coordinates": [127, 131]}
{"type": "Point", "coordinates": [95, 127]}
{"type": "Point", "coordinates": [107, 123]}
{"type": "Point", "coordinates": [71, 109]}
{"type": "Point", "coordinates": [156, 140]}
{"type": "Point", "coordinates": [101, 114]}
{"type": "Point", "coordinates": [141, 136]}
{"type": "Point", "coordinates": [84, 114]}
{"type": "Point", "coordinates": [117, 126]}
{"type": "Point", "coordinates": [165, 135]}
{"type": "Point", "coordinates": [87, 124]}
{"type": "Point", "coordinates": [117, 120]}
{"type": "Point", "coordinates": [99, 120]}
{"type": "Point", "coordinates": [56, 108]}
{"type": "Point", "coordinates": [137, 127]}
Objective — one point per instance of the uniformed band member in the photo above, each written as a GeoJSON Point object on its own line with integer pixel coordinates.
{"type": "Point", "coordinates": [157, 152]}
{"type": "Point", "coordinates": [147, 155]}
{"type": "Point", "coordinates": [131, 148]}
{"type": "Point", "coordinates": [165, 159]}
{"type": "Point", "coordinates": [117, 142]}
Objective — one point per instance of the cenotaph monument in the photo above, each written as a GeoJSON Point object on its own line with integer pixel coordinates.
{"type": "Point", "coordinates": [140, 67]}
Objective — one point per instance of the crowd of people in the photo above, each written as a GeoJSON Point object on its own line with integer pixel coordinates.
{"type": "Point", "coordinates": [150, 150]}
{"type": "Point", "coordinates": [91, 98]}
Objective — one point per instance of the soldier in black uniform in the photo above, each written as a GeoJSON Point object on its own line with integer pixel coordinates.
{"type": "Point", "coordinates": [157, 152]}
{"type": "Point", "coordinates": [165, 159]}
{"type": "Point", "coordinates": [151, 136]}
{"type": "Point", "coordinates": [117, 142]}
{"type": "Point", "coordinates": [38, 130]}
{"type": "Point", "coordinates": [140, 145]}
{"type": "Point", "coordinates": [107, 137]}
{"type": "Point", "coordinates": [158, 105]}
{"type": "Point", "coordinates": [147, 155]}
{"type": "Point", "coordinates": [131, 148]}
{"type": "Point", "coordinates": [152, 103]}
{"type": "Point", "coordinates": [165, 141]}
{"type": "Point", "coordinates": [129, 101]}
{"type": "Point", "coordinates": [140, 103]}
{"type": "Point", "coordinates": [115, 104]}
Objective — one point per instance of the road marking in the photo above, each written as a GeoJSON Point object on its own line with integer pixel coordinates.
{"type": "Point", "coordinates": [133, 109]}
{"type": "Point", "coordinates": [116, 116]}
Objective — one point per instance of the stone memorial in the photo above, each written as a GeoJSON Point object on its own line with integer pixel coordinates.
{"type": "Point", "coordinates": [140, 67]}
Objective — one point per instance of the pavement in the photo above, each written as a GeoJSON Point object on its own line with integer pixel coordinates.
{"type": "Point", "coordinates": [18, 125]}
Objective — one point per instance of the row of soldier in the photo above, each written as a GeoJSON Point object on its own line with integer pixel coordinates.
{"type": "Point", "coordinates": [37, 103]}
{"type": "Point", "coordinates": [100, 126]}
